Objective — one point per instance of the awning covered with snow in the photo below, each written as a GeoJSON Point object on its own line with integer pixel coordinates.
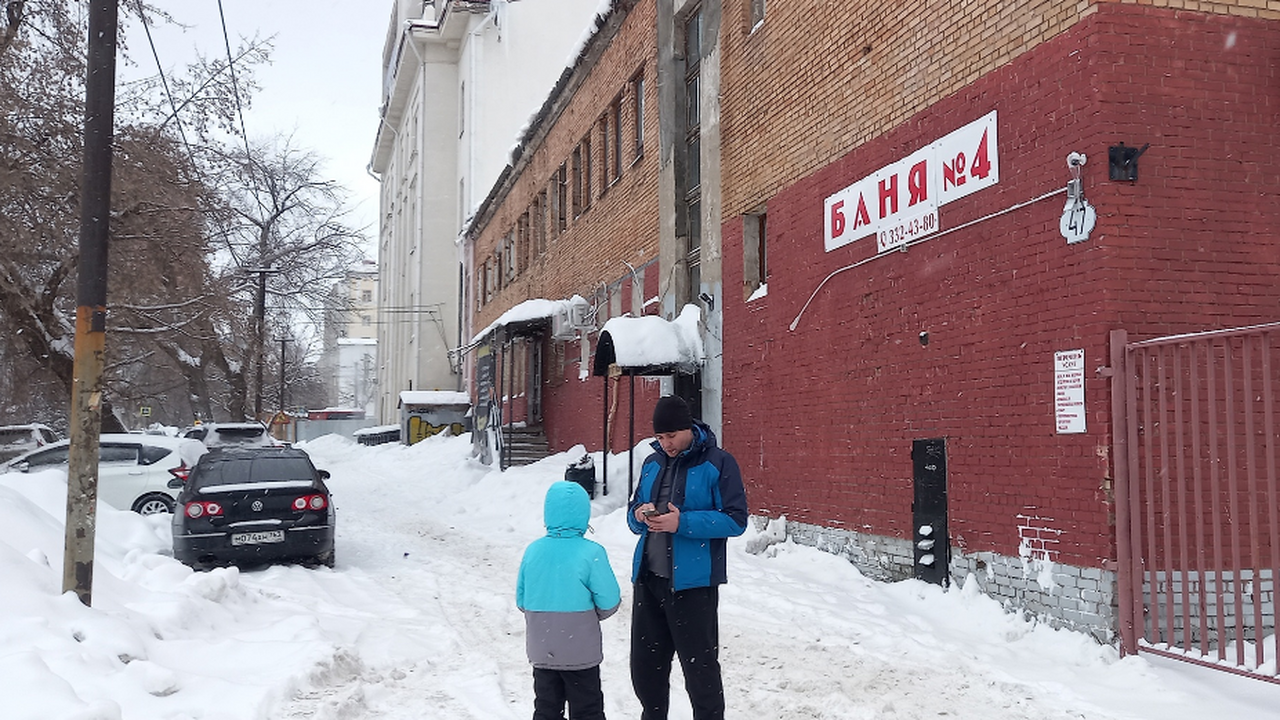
{"type": "Point", "coordinates": [650, 345]}
{"type": "Point", "coordinates": [433, 397]}
{"type": "Point", "coordinates": [532, 316]}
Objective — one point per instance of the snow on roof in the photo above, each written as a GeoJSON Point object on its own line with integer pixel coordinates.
{"type": "Point", "coordinates": [651, 342]}
{"type": "Point", "coordinates": [434, 397]}
{"type": "Point", "coordinates": [529, 310]}
{"type": "Point", "coordinates": [357, 341]}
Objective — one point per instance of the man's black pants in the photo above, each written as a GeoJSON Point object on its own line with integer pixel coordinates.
{"type": "Point", "coordinates": [685, 624]}
{"type": "Point", "coordinates": [580, 688]}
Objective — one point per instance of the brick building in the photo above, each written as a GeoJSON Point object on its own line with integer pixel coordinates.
{"type": "Point", "coordinates": [870, 205]}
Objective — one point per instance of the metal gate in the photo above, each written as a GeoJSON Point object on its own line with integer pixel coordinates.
{"type": "Point", "coordinates": [1197, 496]}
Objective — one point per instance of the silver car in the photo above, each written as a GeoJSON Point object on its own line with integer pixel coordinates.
{"type": "Point", "coordinates": [142, 473]}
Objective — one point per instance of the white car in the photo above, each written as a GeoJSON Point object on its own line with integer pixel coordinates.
{"type": "Point", "coordinates": [18, 439]}
{"type": "Point", "coordinates": [142, 473]}
{"type": "Point", "coordinates": [240, 434]}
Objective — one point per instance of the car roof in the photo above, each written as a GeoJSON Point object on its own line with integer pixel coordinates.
{"type": "Point", "coordinates": [187, 448]}
{"type": "Point", "coordinates": [231, 452]}
{"type": "Point", "coordinates": [144, 439]}
{"type": "Point", "coordinates": [245, 424]}
{"type": "Point", "coordinates": [26, 426]}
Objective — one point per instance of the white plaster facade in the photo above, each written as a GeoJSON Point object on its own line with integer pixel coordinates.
{"type": "Point", "coordinates": [349, 359]}
{"type": "Point", "coordinates": [460, 82]}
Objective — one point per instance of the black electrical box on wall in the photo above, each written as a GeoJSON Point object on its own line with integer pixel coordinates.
{"type": "Point", "coordinates": [929, 540]}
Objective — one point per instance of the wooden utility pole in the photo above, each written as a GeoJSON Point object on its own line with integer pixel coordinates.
{"type": "Point", "coordinates": [91, 302]}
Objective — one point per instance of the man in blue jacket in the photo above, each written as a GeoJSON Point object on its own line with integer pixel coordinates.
{"type": "Point", "coordinates": [565, 588]}
{"type": "Point", "coordinates": [690, 499]}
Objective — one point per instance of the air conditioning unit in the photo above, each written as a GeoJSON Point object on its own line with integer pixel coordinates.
{"type": "Point", "coordinates": [580, 315]}
{"type": "Point", "coordinates": [571, 319]}
{"type": "Point", "coordinates": [562, 325]}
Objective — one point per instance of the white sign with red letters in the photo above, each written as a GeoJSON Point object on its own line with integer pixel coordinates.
{"type": "Point", "coordinates": [899, 202]}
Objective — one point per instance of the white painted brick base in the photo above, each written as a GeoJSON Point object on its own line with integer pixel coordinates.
{"type": "Point", "coordinates": [1075, 598]}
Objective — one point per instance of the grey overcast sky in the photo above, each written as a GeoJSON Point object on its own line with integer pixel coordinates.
{"type": "Point", "coordinates": [323, 86]}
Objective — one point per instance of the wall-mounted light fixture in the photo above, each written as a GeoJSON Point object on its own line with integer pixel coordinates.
{"type": "Point", "coordinates": [1123, 161]}
{"type": "Point", "coordinates": [1078, 216]}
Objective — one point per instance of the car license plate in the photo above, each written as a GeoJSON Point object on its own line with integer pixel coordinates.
{"type": "Point", "coordinates": [258, 538]}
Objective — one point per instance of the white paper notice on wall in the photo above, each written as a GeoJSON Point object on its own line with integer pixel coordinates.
{"type": "Point", "coordinates": [1068, 391]}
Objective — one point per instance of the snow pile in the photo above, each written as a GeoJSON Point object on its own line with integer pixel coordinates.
{"type": "Point", "coordinates": [418, 619]}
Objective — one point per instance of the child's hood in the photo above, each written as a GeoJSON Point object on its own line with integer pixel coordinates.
{"type": "Point", "coordinates": [567, 509]}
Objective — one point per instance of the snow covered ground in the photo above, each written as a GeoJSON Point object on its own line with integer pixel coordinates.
{"type": "Point", "coordinates": [418, 620]}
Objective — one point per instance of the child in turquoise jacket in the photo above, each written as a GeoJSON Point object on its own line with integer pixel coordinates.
{"type": "Point", "coordinates": [565, 588]}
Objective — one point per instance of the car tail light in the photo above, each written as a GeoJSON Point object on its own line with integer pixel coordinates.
{"type": "Point", "coordinates": [310, 502]}
{"type": "Point", "coordinates": [182, 472]}
{"type": "Point", "coordinates": [201, 508]}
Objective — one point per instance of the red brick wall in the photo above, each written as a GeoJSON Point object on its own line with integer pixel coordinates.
{"type": "Point", "coordinates": [621, 223]}
{"type": "Point", "coordinates": [822, 417]}
{"type": "Point", "coordinates": [574, 410]}
{"type": "Point", "coordinates": [593, 256]}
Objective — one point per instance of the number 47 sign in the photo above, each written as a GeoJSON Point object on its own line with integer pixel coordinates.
{"type": "Point", "coordinates": [899, 202]}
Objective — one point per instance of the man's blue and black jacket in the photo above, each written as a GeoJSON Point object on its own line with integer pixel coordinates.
{"type": "Point", "coordinates": [707, 489]}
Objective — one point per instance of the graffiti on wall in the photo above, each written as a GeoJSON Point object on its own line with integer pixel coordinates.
{"type": "Point", "coordinates": [421, 428]}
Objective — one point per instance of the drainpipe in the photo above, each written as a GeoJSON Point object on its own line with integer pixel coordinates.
{"type": "Point", "coordinates": [473, 50]}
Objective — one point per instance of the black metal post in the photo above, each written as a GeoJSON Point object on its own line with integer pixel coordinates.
{"type": "Point", "coordinates": [631, 442]}
{"type": "Point", "coordinates": [507, 351]}
{"type": "Point", "coordinates": [604, 424]}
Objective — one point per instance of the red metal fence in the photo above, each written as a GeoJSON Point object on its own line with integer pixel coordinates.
{"type": "Point", "coordinates": [1197, 496]}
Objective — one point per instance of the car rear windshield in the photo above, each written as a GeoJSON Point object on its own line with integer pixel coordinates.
{"type": "Point", "coordinates": [254, 470]}
{"type": "Point", "coordinates": [15, 436]}
{"type": "Point", "coordinates": [238, 434]}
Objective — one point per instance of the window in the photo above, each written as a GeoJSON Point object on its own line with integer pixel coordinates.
{"type": "Point", "coordinates": [366, 296]}
{"type": "Point", "coordinates": [118, 453]}
{"type": "Point", "coordinates": [522, 239]}
{"type": "Point", "coordinates": [553, 199]}
{"type": "Point", "coordinates": [757, 13]}
{"type": "Point", "coordinates": [604, 152]}
{"type": "Point", "coordinates": [755, 266]}
{"type": "Point", "coordinates": [586, 172]}
{"type": "Point", "coordinates": [540, 222]}
{"type": "Point", "coordinates": [577, 180]}
{"type": "Point", "coordinates": [366, 321]}
{"type": "Point", "coordinates": [53, 456]}
{"type": "Point", "coordinates": [615, 136]}
{"type": "Point", "coordinates": [151, 454]}
{"type": "Point", "coordinates": [693, 145]}
{"type": "Point", "coordinates": [637, 108]}
{"type": "Point", "coordinates": [562, 199]}
{"type": "Point", "coordinates": [509, 258]}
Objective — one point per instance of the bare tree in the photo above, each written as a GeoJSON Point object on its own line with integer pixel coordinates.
{"type": "Point", "coordinates": [188, 215]}
{"type": "Point", "coordinates": [285, 231]}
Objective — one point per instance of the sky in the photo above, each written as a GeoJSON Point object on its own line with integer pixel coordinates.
{"type": "Point", "coordinates": [324, 85]}
{"type": "Point", "coordinates": [417, 619]}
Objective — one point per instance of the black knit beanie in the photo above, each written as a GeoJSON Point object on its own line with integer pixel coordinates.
{"type": "Point", "coordinates": [671, 414]}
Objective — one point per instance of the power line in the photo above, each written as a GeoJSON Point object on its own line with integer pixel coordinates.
{"type": "Point", "coordinates": [164, 81]}
{"type": "Point", "coordinates": [235, 85]}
